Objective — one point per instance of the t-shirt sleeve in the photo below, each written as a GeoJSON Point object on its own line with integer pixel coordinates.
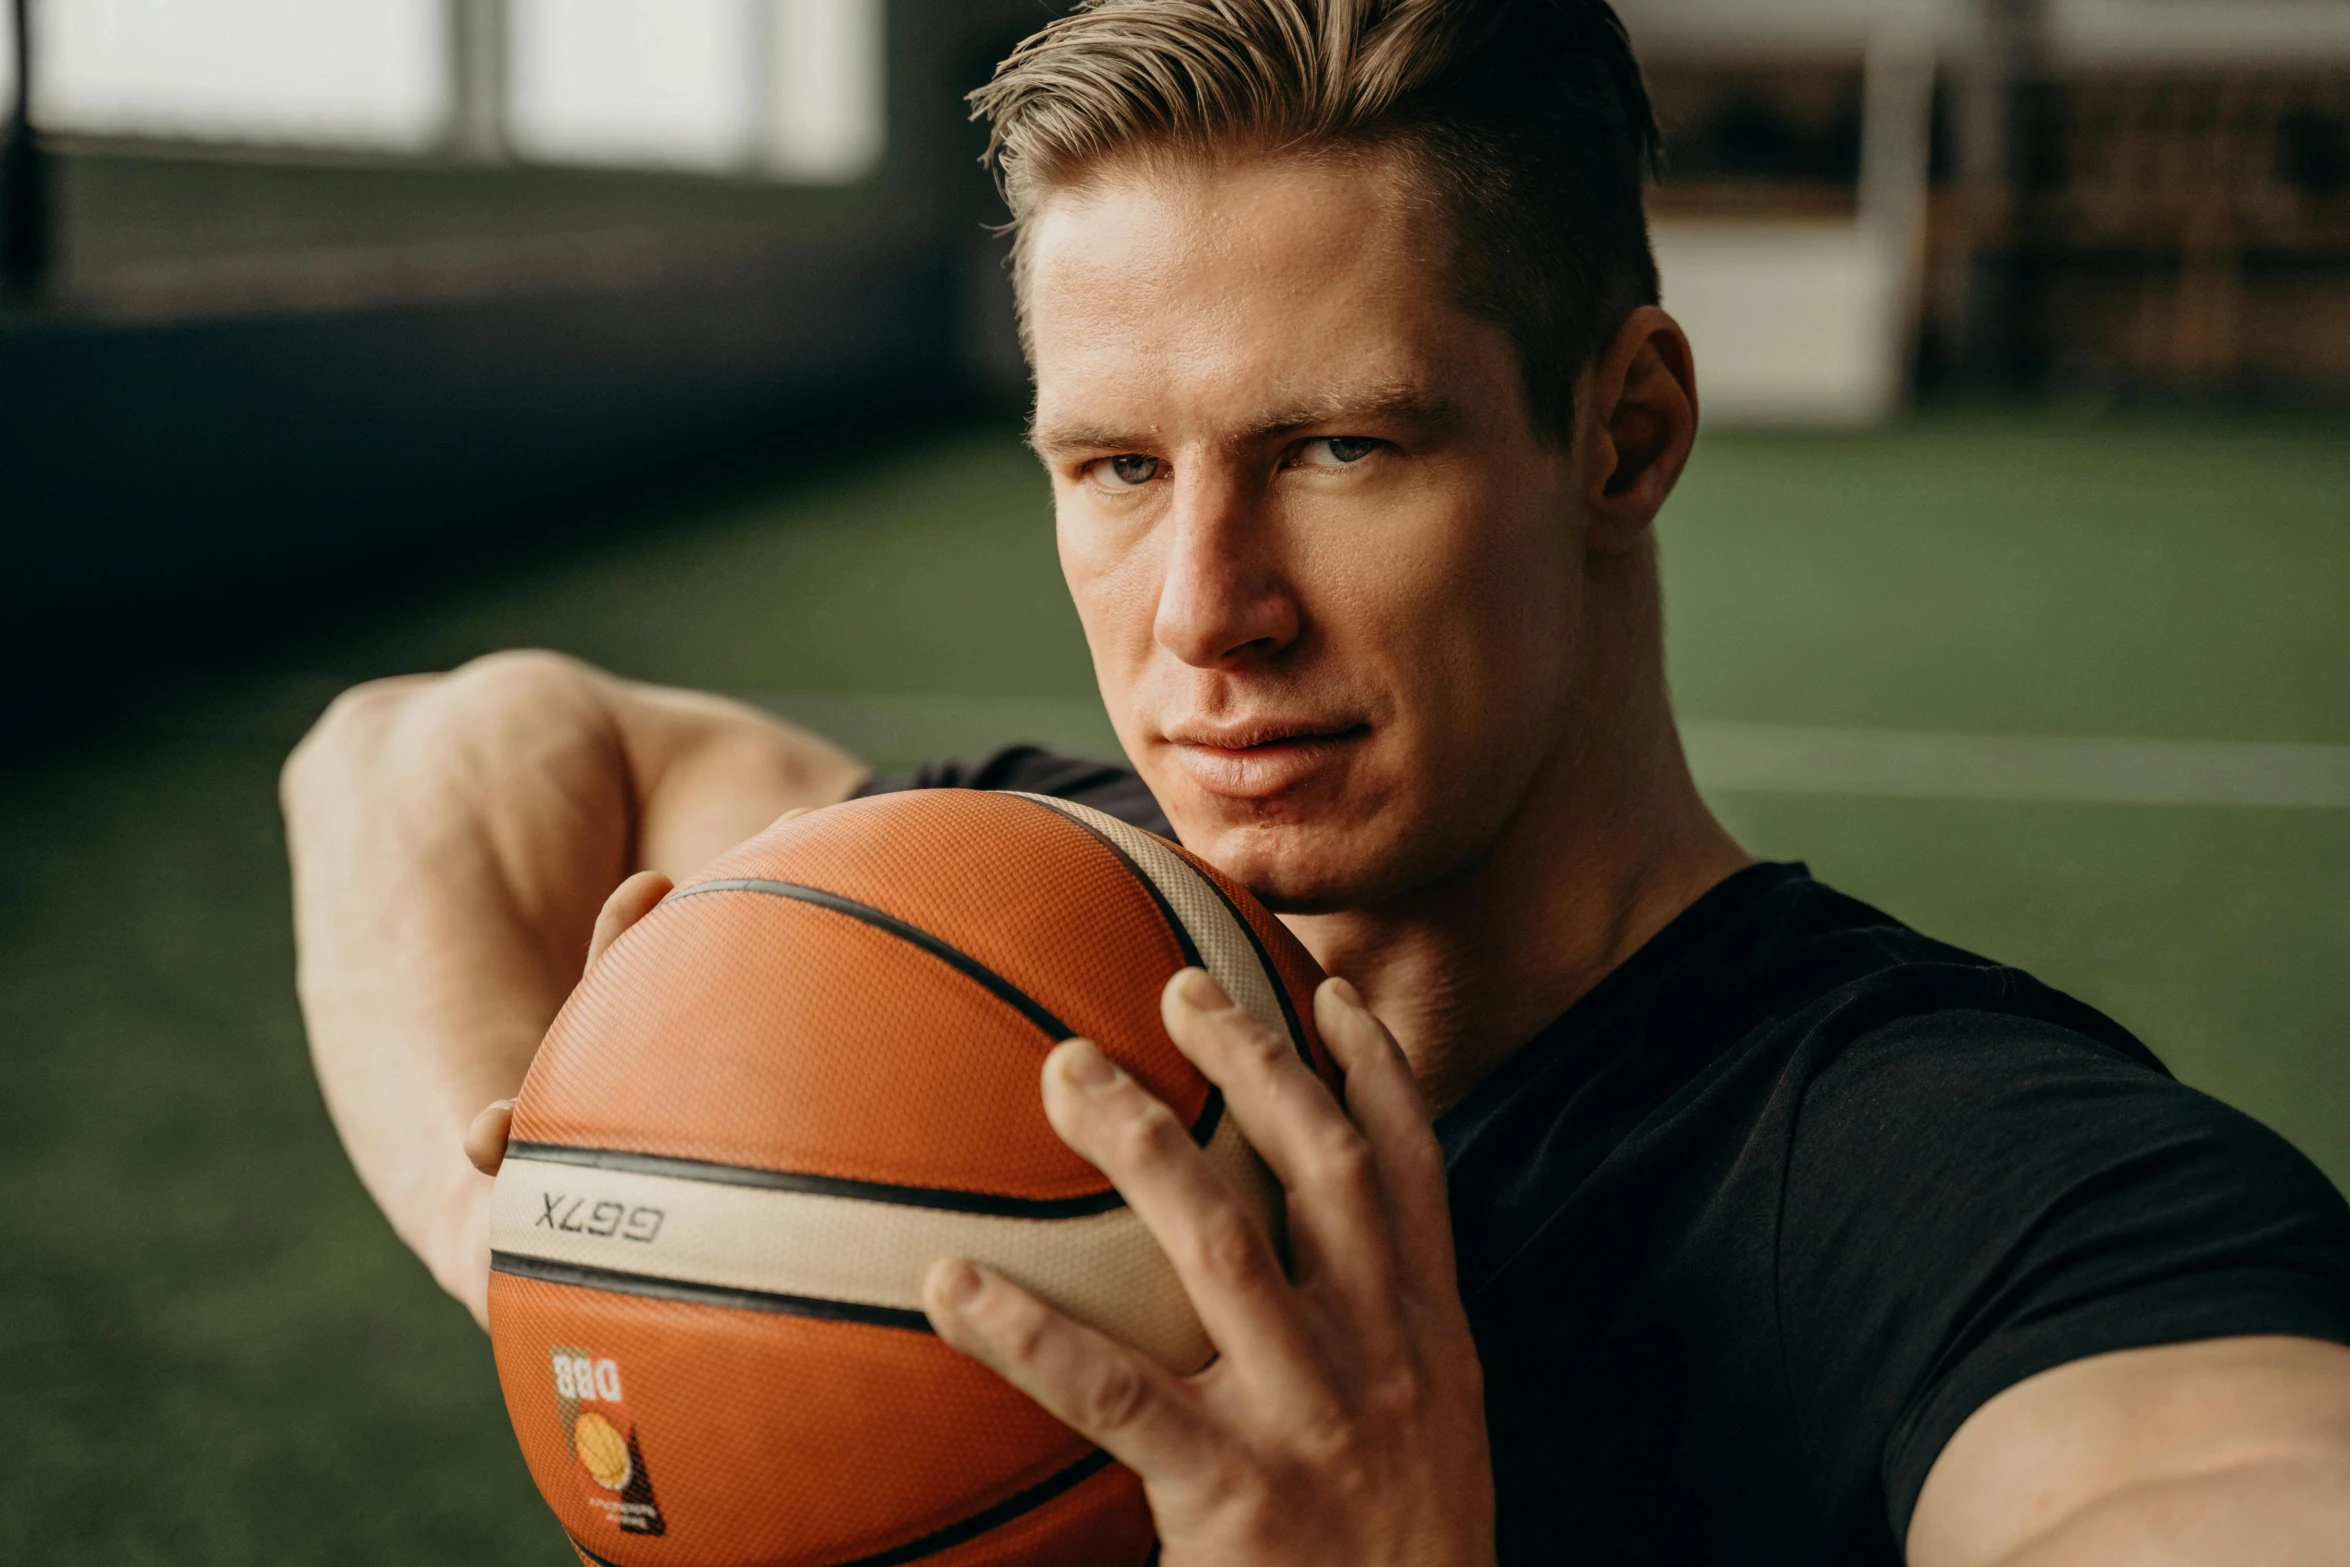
{"type": "Point", "coordinates": [1973, 1198]}
{"type": "Point", "coordinates": [1108, 788]}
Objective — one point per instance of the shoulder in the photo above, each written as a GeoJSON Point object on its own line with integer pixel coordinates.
{"type": "Point", "coordinates": [1976, 1194]}
{"type": "Point", "coordinates": [1108, 787]}
{"type": "Point", "coordinates": [1997, 1104]}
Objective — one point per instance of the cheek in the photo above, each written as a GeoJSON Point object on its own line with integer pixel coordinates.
{"type": "Point", "coordinates": [1475, 637]}
{"type": "Point", "coordinates": [1467, 605]}
{"type": "Point", "coordinates": [1112, 583]}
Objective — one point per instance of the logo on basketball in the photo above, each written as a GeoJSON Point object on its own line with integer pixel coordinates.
{"type": "Point", "coordinates": [604, 1440]}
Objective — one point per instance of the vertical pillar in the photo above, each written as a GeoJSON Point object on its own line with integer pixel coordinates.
{"type": "Point", "coordinates": [1987, 318]}
{"type": "Point", "coordinates": [826, 93]}
{"type": "Point", "coordinates": [24, 187]}
{"type": "Point", "coordinates": [1896, 173]}
{"type": "Point", "coordinates": [477, 80]}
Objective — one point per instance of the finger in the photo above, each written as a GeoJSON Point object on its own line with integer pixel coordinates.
{"type": "Point", "coordinates": [793, 814]}
{"type": "Point", "coordinates": [485, 1139]}
{"type": "Point", "coordinates": [631, 901]}
{"type": "Point", "coordinates": [1110, 1395]}
{"type": "Point", "coordinates": [1384, 1100]}
{"type": "Point", "coordinates": [1217, 1245]}
{"type": "Point", "coordinates": [1338, 1223]}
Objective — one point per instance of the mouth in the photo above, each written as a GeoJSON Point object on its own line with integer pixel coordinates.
{"type": "Point", "coordinates": [1258, 759]}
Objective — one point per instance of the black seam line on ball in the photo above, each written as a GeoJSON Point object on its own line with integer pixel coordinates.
{"type": "Point", "coordinates": [946, 1199]}
{"type": "Point", "coordinates": [970, 967]}
{"type": "Point", "coordinates": [998, 986]}
{"type": "Point", "coordinates": [613, 1281]}
{"type": "Point", "coordinates": [1149, 884]}
{"type": "Point", "coordinates": [1212, 1111]}
{"type": "Point", "coordinates": [970, 1528]}
{"type": "Point", "coordinates": [1297, 1034]}
{"type": "Point", "coordinates": [995, 1517]}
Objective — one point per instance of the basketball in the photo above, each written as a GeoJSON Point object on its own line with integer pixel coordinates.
{"type": "Point", "coordinates": [809, 1073]}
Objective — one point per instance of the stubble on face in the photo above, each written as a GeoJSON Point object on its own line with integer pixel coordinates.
{"type": "Point", "coordinates": [1328, 572]}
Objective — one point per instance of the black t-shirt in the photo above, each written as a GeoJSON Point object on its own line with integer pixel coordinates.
{"type": "Point", "coordinates": [1749, 1232]}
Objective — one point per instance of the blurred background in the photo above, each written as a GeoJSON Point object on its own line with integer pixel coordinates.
{"type": "Point", "coordinates": [2010, 586]}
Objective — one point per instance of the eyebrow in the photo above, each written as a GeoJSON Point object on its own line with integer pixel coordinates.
{"type": "Point", "coordinates": [1403, 404]}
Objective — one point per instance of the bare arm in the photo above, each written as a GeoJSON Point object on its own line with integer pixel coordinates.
{"type": "Point", "coordinates": [453, 837]}
{"type": "Point", "coordinates": [2235, 1450]}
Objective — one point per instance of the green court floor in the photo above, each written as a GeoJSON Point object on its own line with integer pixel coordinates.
{"type": "Point", "coordinates": [213, 1351]}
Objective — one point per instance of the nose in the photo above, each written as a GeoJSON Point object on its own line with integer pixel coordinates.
{"type": "Point", "coordinates": [1223, 598]}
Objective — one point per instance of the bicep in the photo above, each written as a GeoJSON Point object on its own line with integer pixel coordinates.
{"type": "Point", "coordinates": [2261, 1423]}
{"type": "Point", "coordinates": [709, 772]}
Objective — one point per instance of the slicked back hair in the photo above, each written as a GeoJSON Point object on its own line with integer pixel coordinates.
{"type": "Point", "coordinates": [1526, 120]}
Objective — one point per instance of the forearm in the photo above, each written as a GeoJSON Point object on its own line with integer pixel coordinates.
{"type": "Point", "coordinates": [2282, 1513]}
{"type": "Point", "coordinates": [452, 838]}
{"type": "Point", "coordinates": [2214, 1451]}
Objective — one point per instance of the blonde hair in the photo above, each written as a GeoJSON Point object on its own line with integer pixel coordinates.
{"type": "Point", "coordinates": [1526, 119]}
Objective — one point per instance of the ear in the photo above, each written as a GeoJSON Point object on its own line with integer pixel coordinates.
{"type": "Point", "coordinates": [1639, 422]}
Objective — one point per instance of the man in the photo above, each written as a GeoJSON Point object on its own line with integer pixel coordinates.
{"type": "Point", "coordinates": [1783, 1233]}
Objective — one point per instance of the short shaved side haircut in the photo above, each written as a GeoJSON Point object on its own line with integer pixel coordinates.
{"type": "Point", "coordinates": [1525, 120]}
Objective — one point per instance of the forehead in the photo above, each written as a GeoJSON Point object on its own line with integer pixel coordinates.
{"type": "Point", "coordinates": [1191, 293]}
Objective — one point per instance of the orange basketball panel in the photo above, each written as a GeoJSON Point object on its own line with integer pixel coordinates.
{"type": "Point", "coordinates": [722, 1438]}
{"type": "Point", "coordinates": [1102, 1521]}
{"type": "Point", "coordinates": [1019, 887]}
{"type": "Point", "coordinates": [747, 1029]}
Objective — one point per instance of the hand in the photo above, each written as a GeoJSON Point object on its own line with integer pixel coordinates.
{"type": "Point", "coordinates": [1343, 1420]}
{"type": "Point", "coordinates": [632, 900]}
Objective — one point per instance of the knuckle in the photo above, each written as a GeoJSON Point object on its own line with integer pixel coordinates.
{"type": "Point", "coordinates": [1258, 1505]}
{"type": "Point", "coordinates": [1332, 1445]}
{"type": "Point", "coordinates": [1246, 1035]}
{"type": "Point", "coordinates": [1021, 1330]}
{"type": "Point", "coordinates": [522, 677]}
{"type": "Point", "coordinates": [1115, 1399]}
{"type": "Point", "coordinates": [1423, 1166]}
{"type": "Point", "coordinates": [1148, 1131]}
{"type": "Point", "coordinates": [1341, 1162]}
{"type": "Point", "coordinates": [1227, 1245]}
{"type": "Point", "coordinates": [348, 726]}
{"type": "Point", "coordinates": [1259, 1047]}
{"type": "Point", "coordinates": [1398, 1396]}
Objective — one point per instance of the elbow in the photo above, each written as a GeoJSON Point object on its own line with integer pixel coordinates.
{"type": "Point", "coordinates": [483, 698]}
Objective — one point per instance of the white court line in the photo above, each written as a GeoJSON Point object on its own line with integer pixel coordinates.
{"type": "Point", "coordinates": [897, 729]}
{"type": "Point", "coordinates": [1781, 759]}
{"type": "Point", "coordinates": [1757, 758]}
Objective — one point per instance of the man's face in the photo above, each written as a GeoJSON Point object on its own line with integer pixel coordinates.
{"type": "Point", "coordinates": [1328, 572]}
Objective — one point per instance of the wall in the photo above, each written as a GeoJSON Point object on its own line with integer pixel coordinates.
{"type": "Point", "coordinates": [253, 381]}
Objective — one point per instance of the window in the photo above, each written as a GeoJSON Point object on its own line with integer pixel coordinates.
{"type": "Point", "coordinates": [829, 69]}
{"type": "Point", "coordinates": [790, 89]}
{"type": "Point", "coordinates": [662, 82]}
{"type": "Point", "coordinates": [355, 73]}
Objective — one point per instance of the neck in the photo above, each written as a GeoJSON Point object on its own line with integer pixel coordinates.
{"type": "Point", "coordinates": [1611, 843]}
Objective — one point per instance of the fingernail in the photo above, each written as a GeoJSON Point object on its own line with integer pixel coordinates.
{"type": "Point", "coordinates": [501, 1104]}
{"type": "Point", "coordinates": [959, 1282]}
{"type": "Point", "coordinates": [1346, 993]}
{"type": "Point", "coordinates": [1085, 1066]}
{"type": "Point", "coordinates": [1197, 988]}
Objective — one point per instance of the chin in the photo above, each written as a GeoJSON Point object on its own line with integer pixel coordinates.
{"type": "Point", "coordinates": [1298, 867]}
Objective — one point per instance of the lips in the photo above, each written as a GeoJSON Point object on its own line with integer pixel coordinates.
{"type": "Point", "coordinates": [1259, 758]}
{"type": "Point", "coordinates": [1256, 734]}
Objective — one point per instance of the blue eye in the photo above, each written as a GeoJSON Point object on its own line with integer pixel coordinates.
{"type": "Point", "coordinates": [1125, 473]}
{"type": "Point", "coordinates": [1337, 451]}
